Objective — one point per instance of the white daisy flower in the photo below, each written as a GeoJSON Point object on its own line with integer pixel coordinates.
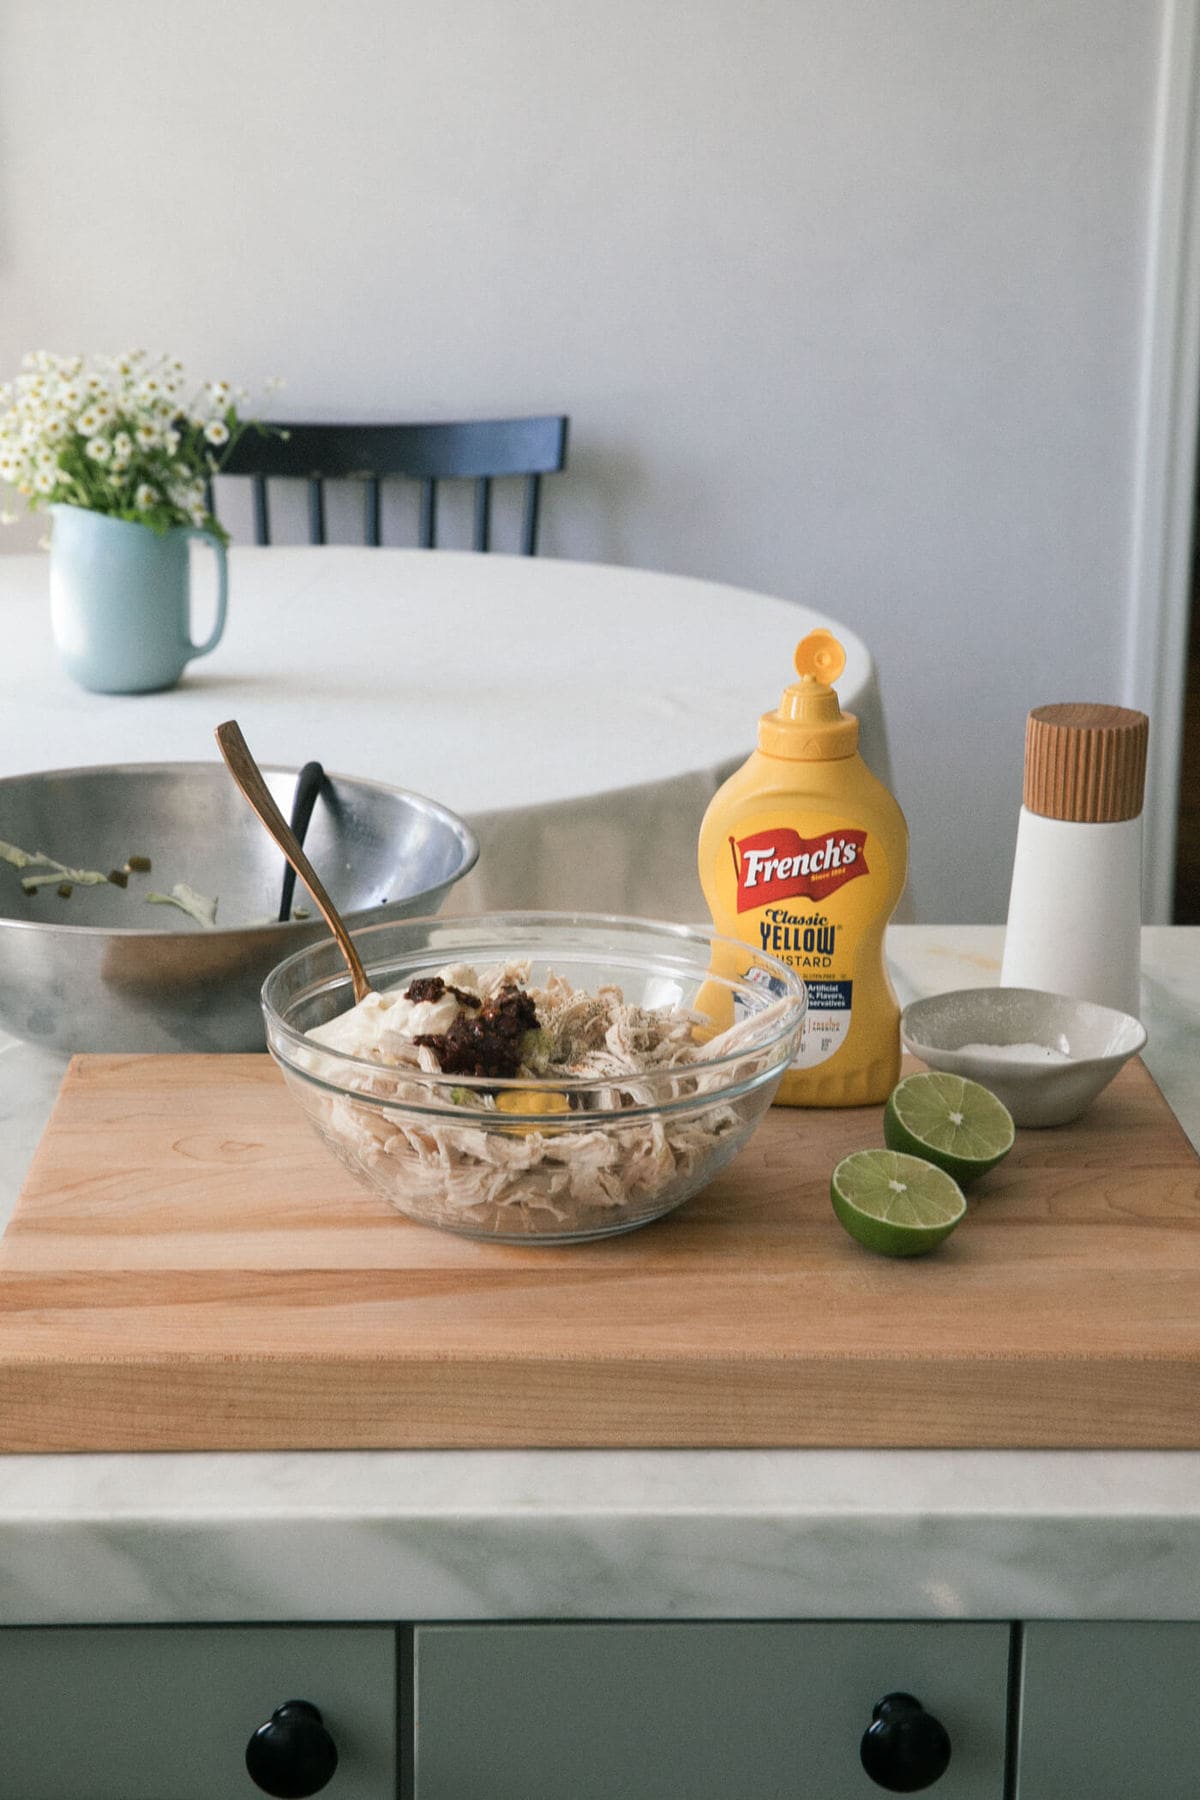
{"type": "Point", "coordinates": [119, 410]}
{"type": "Point", "coordinates": [8, 518]}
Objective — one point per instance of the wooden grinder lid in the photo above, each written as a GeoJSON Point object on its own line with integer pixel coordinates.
{"type": "Point", "coordinates": [1086, 763]}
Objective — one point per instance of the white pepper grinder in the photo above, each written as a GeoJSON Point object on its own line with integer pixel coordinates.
{"type": "Point", "coordinates": [1075, 909]}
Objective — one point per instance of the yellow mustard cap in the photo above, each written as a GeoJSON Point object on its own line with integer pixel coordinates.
{"type": "Point", "coordinates": [809, 725]}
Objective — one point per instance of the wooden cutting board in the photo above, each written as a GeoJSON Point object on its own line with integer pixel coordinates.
{"type": "Point", "coordinates": [188, 1268]}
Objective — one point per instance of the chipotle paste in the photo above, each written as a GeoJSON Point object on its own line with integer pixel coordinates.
{"type": "Point", "coordinates": [485, 1040]}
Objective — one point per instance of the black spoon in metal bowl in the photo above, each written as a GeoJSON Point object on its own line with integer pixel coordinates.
{"type": "Point", "coordinates": [309, 783]}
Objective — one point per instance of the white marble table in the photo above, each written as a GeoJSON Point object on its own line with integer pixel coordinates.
{"type": "Point", "coordinates": [578, 716]}
{"type": "Point", "coordinates": [602, 1534]}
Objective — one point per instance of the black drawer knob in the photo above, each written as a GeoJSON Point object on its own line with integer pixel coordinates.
{"type": "Point", "coordinates": [292, 1755]}
{"type": "Point", "coordinates": [905, 1748]}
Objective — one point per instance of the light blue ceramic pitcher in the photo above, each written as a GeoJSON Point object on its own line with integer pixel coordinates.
{"type": "Point", "coordinates": [119, 601]}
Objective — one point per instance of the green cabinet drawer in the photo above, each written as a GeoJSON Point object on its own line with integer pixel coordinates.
{"type": "Point", "coordinates": [1108, 1712]}
{"type": "Point", "coordinates": [696, 1711]}
{"type": "Point", "coordinates": [133, 1713]}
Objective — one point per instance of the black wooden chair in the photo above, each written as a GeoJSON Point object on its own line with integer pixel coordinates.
{"type": "Point", "coordinates": [480, 450]}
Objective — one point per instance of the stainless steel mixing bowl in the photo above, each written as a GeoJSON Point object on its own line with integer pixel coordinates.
{"type": "Point", "coordinates": [103, 970]}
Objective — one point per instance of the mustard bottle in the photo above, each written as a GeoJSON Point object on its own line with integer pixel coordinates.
{"type": "Point", "coordinates": [804, 853]}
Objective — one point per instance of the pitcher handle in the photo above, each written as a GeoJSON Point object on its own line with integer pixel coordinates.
{"type": "Point", "coordinates": [214, 637]}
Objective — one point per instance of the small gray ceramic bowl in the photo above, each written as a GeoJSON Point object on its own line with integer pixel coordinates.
{"type": "Point", "coordinates": [1037, 1090]}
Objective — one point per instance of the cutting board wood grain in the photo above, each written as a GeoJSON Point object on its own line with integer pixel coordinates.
{"type": "Point", "coordinates": [188, 1268]}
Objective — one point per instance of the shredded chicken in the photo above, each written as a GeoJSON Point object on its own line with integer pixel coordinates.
{"type": "Point", "coordinates": [480, 1166]}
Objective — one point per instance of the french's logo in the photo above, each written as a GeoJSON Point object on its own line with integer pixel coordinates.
{"type": "Point", "coordinates": [781, 865]}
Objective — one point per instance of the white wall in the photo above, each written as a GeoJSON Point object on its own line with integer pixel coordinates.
{"type": "Point", "coordinates": [845, 301]}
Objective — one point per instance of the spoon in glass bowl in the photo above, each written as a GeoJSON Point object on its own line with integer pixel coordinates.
{"type": "Point", "coordinates": [249, 778]}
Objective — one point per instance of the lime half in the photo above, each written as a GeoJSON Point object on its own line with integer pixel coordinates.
{"type": "Point", "coordinates": [950, 1121]}
{"type": "Point", "coordinates": [898, 1205]}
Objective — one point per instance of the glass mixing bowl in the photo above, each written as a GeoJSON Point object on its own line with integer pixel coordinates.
{"type": "Point", "coordinates": [602, 1155]}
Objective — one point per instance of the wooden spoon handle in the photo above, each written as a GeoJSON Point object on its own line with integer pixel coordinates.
{"type": "Point", "coordinates": [248, 775]}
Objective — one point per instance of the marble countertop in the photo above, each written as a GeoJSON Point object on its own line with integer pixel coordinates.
{"type": "Point", "coordinates": [421, 1535]}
